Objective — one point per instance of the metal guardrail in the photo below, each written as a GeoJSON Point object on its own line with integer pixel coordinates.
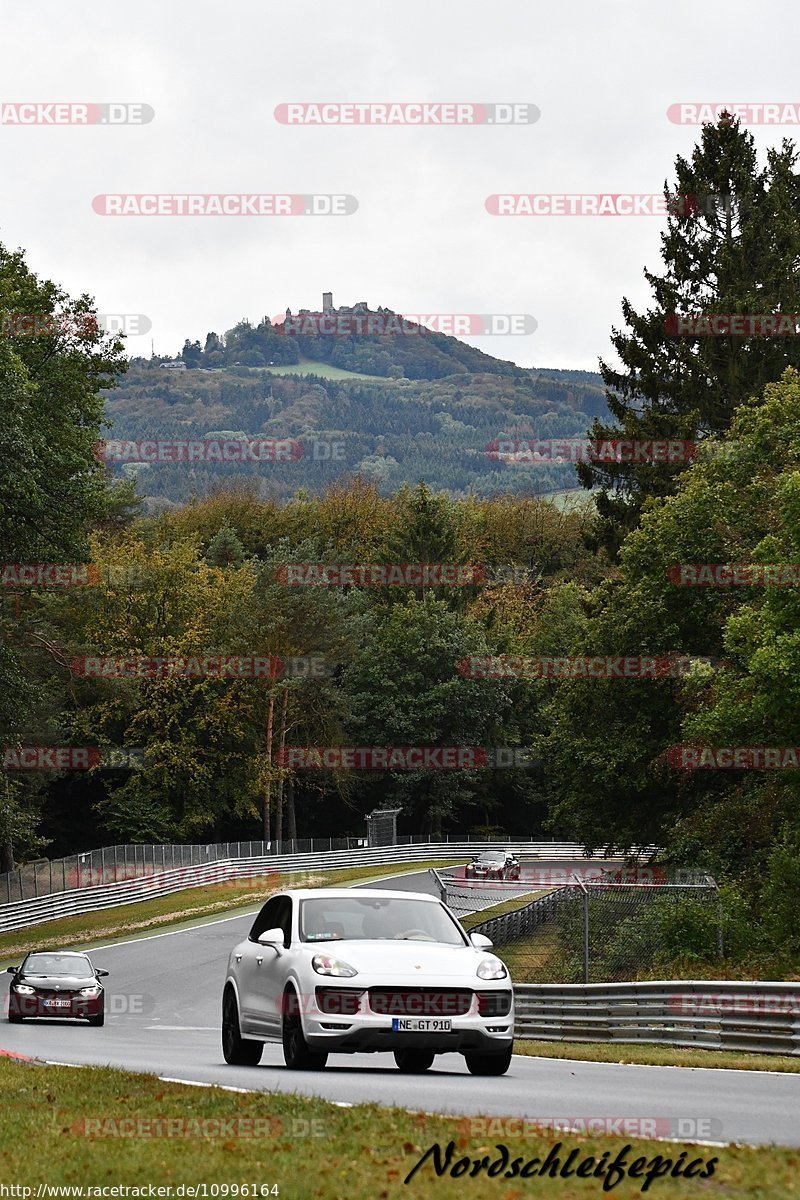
{"type": "Point", "coordinates": [759, 1017]}
{"type": "Point", "coordinates": [77, 901]}
{"type": "Point", "coordinates": [114, 864]}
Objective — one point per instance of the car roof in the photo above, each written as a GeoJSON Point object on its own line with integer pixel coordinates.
{"type": "Point", "coordinates": [361, 893]}
{"type": "Point", "coordinates": [60, 953]}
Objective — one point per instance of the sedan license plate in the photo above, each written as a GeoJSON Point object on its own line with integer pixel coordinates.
{"type": "Point", "coordinates": [421, 1025]}
{"type": "Point", "coordinates": [58, 1003]}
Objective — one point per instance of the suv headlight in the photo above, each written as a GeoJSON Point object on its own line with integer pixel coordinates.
{"type": "Point", "coordinates": [492, 968]}
{"type": "Point", "coordinates": [94, 990]}
{"type": "Point", "coordinates": [23, 987]}
{"type": "Point", "coordinates": [323, 964]}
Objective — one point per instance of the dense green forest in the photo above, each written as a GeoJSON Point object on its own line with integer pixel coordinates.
{"type": "Point", "coordinates": [389, 431]}
{"type": "Point", "coordinates": [602, 581]}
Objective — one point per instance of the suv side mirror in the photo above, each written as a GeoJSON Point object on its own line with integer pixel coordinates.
{"type": "Point", "coordinates": [11, 970]}
{"type": "Point", "coordinates": [100, 973]}
{"type": "Point", "coordinates": [272, 937]}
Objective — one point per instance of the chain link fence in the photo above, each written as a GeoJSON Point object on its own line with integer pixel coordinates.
{"type": "Point", "coordinates": [614, 926]}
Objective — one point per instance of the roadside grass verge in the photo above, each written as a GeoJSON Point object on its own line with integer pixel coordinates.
{"type": "Point", "coordinates": [535, 959]}
{"type": "Point", "coordinates": [97, 1127]}
{"type": "Point", "coordinates": [189, 904]}
{"type": "Point", "coordinates": [656, 1055]}
{"type": "Point", "coordinates": [497, 910]}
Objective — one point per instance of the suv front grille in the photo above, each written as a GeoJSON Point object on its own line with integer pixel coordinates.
{"type": "Point", "coordinates": [420, 1002]}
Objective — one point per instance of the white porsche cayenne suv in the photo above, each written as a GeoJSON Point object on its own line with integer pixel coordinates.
{"type": "Point", "coordinates": [337, 970]}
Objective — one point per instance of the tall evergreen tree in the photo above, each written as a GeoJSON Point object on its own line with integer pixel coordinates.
{"type": "Point", "coordinates": [225, 549]}
{"type": "Point", "coordinates": [732, 245]}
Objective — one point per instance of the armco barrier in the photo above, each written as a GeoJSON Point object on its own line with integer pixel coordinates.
{"type": "Point", "coordinates": [115, 864]}
{"type": "Point", "coordinates": [758, 1017]}
{"type": "Point", "coordinates": [38, 910]}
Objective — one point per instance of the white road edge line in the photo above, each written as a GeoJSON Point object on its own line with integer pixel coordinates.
{"type": "Point", "coordinates": [416, 1112]}
{"type": "Point", "coordinates": [413, 1112]}
{"type": "Point", "coordinates": [223, 1087]}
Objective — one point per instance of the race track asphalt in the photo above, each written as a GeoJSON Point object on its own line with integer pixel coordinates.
{"type": "Point", "coordinates": [163, 1016]}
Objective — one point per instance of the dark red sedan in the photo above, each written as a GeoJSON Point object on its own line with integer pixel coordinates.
{"type": "Point", "coordinates": [56, 984]}
{"type": "Point", "coordinates": [497, 865]}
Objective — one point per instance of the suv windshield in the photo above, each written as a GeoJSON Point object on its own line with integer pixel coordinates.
{"type": "Point", "coordinates": [335, 918]}
{"type": "Point", "coordinates": [57, 964]}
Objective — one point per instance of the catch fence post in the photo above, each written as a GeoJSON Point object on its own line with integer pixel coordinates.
{"type": "Point", "coordinates": [585, 897]}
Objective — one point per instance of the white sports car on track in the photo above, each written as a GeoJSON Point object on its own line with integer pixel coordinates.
{"type": "Point", "coordinates": [337, 970]}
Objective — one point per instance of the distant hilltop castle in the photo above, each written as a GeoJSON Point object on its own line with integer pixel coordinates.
{"type": "Point", "coordinates": [327, 307]}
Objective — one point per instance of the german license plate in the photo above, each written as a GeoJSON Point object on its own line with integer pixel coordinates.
{"type": "Point", "coordinates": [58, 1003]}
{"type": "Point", "coordinates": [421, 1025]}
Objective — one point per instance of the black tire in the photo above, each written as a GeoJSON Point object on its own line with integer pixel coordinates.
{"type": "Point", "coordinates": [297, 1054]}
{"type": "Point", "coordinates": [15, 1019]}
{"type": "Point", "coordinates": [414, 1062]}
{"type": "Point", "coordinates": [489, 1064]}
{"type": "Point", "coordinates": [100, 1019]}
{"type": "Point", "coordinates": [236, 1050]}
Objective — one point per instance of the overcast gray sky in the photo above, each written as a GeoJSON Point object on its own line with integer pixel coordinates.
{"type": "Point", "coordinates": [421, 241]}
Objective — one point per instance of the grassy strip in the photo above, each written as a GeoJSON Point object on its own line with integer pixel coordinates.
{"type": "Point", "coordinates": [497, 910]}
{"type": "Point", "coordinates": [184, 905]}
{"type": "Point", "coordinates": [311, 1149]}
{"type": "Point", "coordinates": [308, 366]}
{"type": "Point", "coordinates": [655, 1055]}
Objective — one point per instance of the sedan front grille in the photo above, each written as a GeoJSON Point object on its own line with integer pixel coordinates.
{"type": "Point", "coordinates": [420, 1002]}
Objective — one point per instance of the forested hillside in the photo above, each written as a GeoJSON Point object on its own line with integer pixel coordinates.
{"type": "Point", "coordinates": [389, 431]}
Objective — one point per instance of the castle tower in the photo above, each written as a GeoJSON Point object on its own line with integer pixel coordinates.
{"type": "Point", "coordinates": [327, 302]}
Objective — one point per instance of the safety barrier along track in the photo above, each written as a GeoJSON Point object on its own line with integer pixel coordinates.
{"type": "Point", "coordinates": [757, 1017]}
{"type": "Point", "coordinates": [37, 910]}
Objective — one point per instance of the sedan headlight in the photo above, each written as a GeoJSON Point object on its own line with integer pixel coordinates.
{"type": "Point", "coordinates": [323, 964]}
{"type": "Point", "coordinates": [94, 990]}
{"type": "Point", "coordinates": [492, 968]}
{"type": "Point", "coordinates": [23, 987]}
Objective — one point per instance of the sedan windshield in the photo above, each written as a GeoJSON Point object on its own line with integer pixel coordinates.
{"type": "Point", "coordinates": [335, 918]}
{"type": "Point", "coordinates": [492, 858]}
{"type": "Point", "coordinates": [57, 964]}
